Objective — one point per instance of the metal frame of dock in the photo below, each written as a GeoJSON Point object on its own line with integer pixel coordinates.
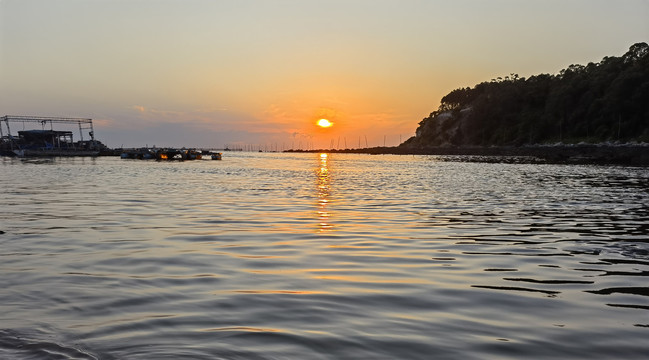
{"type": "Point", "coordinates": [84, 124]}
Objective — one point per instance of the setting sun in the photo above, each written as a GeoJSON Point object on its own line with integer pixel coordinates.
{"type": "Point", "coordinates": [324, 123]}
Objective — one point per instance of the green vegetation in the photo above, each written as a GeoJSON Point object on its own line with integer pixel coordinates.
{"type": "Point", "coordinates": [603, 102]}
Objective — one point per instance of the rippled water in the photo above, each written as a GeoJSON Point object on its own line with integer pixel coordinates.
{"type": "Point", "coordinates": [308, 256]}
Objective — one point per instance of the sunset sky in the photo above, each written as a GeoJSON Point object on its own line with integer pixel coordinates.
{"type": "Point", "coordinates": [213, 73]}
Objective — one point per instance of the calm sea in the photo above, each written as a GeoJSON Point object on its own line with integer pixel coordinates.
{"type": "Point", "coordinates": [310, 256]}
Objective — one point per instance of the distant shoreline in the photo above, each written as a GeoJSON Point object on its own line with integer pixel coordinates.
{"type": "Point", "coordinates": [624, 154]}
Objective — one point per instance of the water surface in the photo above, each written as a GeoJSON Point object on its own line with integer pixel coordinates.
{"type": "Point", "coordinates": [309, 256]}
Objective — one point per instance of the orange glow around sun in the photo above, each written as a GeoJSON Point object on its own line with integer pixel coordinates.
{"type": "Point", "coordinates": [324, 123]}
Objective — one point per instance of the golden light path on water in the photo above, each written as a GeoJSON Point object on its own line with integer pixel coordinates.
{"type": "Point", "coordinates": [324, 190]}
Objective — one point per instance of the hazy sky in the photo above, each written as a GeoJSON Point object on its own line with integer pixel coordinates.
{"type": "Point", "coordinates": [213, 72]}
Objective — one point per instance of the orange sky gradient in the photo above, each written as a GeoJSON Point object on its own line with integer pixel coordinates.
{"type": "Point", "coordinates": [261, 73]}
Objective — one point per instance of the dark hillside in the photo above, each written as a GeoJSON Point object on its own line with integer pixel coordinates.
{"type": "Point", "coordinates": [595, 103]}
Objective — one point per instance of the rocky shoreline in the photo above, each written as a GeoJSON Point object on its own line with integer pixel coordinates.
{"type": "Point", "coordinates": [625, 154]}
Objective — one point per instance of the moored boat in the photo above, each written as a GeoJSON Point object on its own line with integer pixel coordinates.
{"type": "Point", "coordinates": [169, 154]}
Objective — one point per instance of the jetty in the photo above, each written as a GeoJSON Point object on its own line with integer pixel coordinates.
{"type": "Point", "coordinates": [39, 138]}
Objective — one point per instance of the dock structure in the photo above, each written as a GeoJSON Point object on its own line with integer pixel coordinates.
{"type": "Point", "coordinates": [84, 124]}
{"type": "Point", "coordinates": [43, 140]}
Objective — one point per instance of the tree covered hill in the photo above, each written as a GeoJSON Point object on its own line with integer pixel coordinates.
{"type": "Point", "coordinates": [599, 102]}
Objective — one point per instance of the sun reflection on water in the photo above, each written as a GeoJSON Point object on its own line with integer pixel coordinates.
{"type": "Point", "coordinates": [324, 191]}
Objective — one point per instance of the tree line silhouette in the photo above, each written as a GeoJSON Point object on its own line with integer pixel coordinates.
{"type": "Point", "coordinates": [599, 102]}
